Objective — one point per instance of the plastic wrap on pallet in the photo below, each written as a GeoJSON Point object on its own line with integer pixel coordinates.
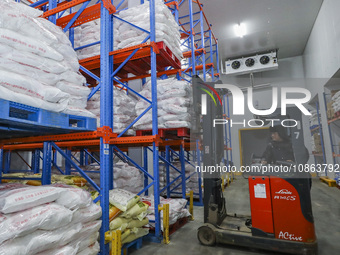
{"type": "Point", "coordinates": [40, 240]}
{"type": "Point", "coordinates": [67, 249]}
{"type": "Point", "coordinates": [176, 206]}
{"type": "Point", "coordinates": [48, 217]}
{"type": "Point", "coordinates": [84, 242]}
{"type": "Point", "coordinates": [36, 51]}
{"type": "Point", "coordinates": [27, 197]}
{"type": "Point", "coordinates": [174, 102]}
{"type": "Point", "coordinates": [123, 111]}
{"type": "Point", "coordinates": [50, 227]}
{"type": "Point", "coordinates": [124, 174]}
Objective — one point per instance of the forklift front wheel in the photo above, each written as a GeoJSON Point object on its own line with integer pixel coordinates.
{"type": "Point", "coordinates": [206, 236]}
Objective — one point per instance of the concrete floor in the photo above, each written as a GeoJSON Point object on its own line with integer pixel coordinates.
{"type": "Point", "coordinates": [326, 210]}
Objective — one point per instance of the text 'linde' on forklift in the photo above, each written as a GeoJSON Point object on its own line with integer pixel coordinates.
{"type": "Point", "coordinates": [281, 213]}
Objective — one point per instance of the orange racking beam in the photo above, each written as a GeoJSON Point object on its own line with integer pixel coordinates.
{"type": "Point", "coordinates": [119, 141]}
{"type": "Point", "coordinates": [167, 72]}
{"type": "Point", "coordinates": [120, 55]}
{"type": "Point", "coordinates": [171, 143]}
{"type": "Point", "coordinates": [200, 67]}
{"type": "Point", "coordinates": [64, 137]}
{"type": "Point", "coordinates": [63, 7]}
{"type": "Point", "coordinates": [187, 54]}
{"type": "Point", "coordinates": [135, 140]}
{"type": "Point", "coordinates": [334, 119]}
{"type": "Point", "coordinates": [89, 14]}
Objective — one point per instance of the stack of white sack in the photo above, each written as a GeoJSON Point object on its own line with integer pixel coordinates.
{"type": "Point", "coordinates": [38, 65]}
{"type": "Point", "coordinates": [174, 100]}
{"type": "Point", "coordinates": [47, 220]}
{"type": "Point", "coordinates": [123, 110]}
{"type": "Point", "coordinates": [90, 33]}
{"type": "Point", "coordinates": [191, 182]}
{"type": "Point", "coordinates": [133, 216]}
{"type": "Point", "coordinates": [177, 207]}
{"type": "Point", "coordinates": [167, 29]}
{"type": "Point", "coordinates": [314, 118]}
{"type": "Point", "coordinates": [124, 175]}
{"type": "Point", "coordinates": [336, 102]}
{"type": "Point", "coordinates": [127, 177]}
{"type": "Point", "coordinates": [125, 35]}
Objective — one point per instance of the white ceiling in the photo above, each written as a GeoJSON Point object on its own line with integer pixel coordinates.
{"type": "Point", "coordinates": [271, 24]}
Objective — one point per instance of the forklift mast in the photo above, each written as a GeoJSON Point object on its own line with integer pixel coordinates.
{"type": "Point", "coordinates": [213, 148]}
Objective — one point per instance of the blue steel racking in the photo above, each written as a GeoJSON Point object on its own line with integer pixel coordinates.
{"type": "Point", "coordinates": [197, 41]}
{"type": "Point", "coordinates": [318, 158]}
{"type": "Point", "coordinates": [333, 123]}
{"type": "Point", "coordinates": [55, 11]}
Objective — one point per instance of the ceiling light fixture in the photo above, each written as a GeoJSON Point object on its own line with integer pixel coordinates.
{"type": "Point", "coordinates": [240, 30]}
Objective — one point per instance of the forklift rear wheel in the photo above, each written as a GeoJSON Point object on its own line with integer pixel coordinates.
{"type": "Point", "coordinates": [206, 236]}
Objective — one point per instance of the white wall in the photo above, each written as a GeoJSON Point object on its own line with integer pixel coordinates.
{"type": "Point", "coordinates": [289, 74]}
{"type": "Point", "coordinates": [321, 58]}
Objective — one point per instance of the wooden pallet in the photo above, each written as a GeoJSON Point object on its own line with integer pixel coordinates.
{"type": "Point", "coordinates": [327, 180]}
{"type": "Point", "coordinates": [166, 132]}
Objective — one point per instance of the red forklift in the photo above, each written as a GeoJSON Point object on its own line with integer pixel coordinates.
{"type": "Point", "coordinates": [281, 217]}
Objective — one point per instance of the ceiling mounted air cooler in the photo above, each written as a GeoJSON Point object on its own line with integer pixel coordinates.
{"type": "Point", "coordinates": [252, 64]}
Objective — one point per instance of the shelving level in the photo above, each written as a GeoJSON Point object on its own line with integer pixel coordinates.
{"type": "Point", "coordinates": [148, 59]}
{"type": "Point", "coordinates": [316, 129]}
{"type": "Point", "coordinates": [332, 105]}
{"type": "Point", "coordinates": [199, 44]}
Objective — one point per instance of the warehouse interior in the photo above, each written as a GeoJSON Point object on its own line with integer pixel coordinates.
{"type": "Point", "coordinates": [169, 126]}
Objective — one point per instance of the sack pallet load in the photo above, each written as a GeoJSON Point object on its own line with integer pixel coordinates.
{"type": "Point", "coordinates": [313, 119]}
{"type": "Point", "coordinates": [125, 35]}
{"type": "Point", "coordinates": [177, 207]}
{"type": "Point", "coordinates": [124, 174]}
{"type": "Point", "coordinates": [191, 183]}
{"type": "Point", "coordinates": [127, 214]}
{"type": "Point", "coordinates": [48, 220]}
{"type": "Point", "coordinates": [335, 105]}
{"type": "Point", "coordinates": [315, 139]}
{"type": "Point", "coordinates": [316, 143]}
{"type": "Point", "coordinates": [174, 100]}
{"type": "Point", "coordinates": [71, 180]}
{"type": "Point", "coordinates": [38, 66]}
{"type": "Point", "coordinates": [124, 111]}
